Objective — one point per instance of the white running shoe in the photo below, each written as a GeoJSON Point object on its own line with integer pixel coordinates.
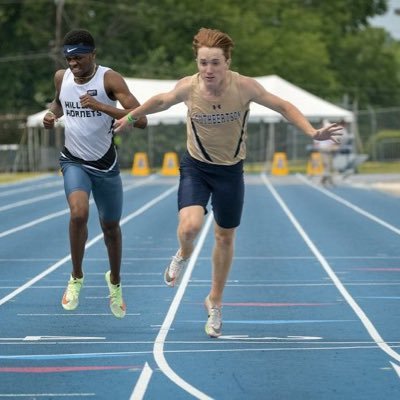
{"type": "Point", "coordinates": [213, 326]}
{"type": "Point", "coordinates": [174, 272]}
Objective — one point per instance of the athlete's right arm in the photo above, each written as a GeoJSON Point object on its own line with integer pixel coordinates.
{"type": "Point", "coordinates": [157, 103]}
{"type": "Point", "coordinates": [55, 110]}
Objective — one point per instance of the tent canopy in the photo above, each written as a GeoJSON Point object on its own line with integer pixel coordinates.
{"type": "Point", "coordinates": [313, 107]}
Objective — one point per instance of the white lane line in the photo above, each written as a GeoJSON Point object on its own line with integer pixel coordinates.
{"type": "Point", "coordinates": [142, 383]}
{"type": "Point", "coordinates": [36, 221]}
{"type": "Point", "coordinates": [32, 200]}
{"type": "Point", "coordinates": [99, 237]}
{"type": "Point", "coordinates": [349, 299]}
{"type": "Point", "coordinates": [27, 181]}
{"type": "Point", "coordinates": [207, 283]}
{"type": "Point", "coordinates": [158, 349]}
{"type": "Point", "coordinates": [31, 188]}
{"type": "Point", "coordinates": [396, 368]}
{"type": "Point", "coordinates": [223, 340]}
{"type": "Point", "coordinates": [53, 338]}
{"type": "Point", "coordinates": [69, 315]}
{"type": "Point", "coordinates": [46, 395]}
{"type": "Point", "coordinates": [351, 205]}
{"type": "Point", "coordinates": [63, 212]}
{"type": "Point", "coordinates": [289, 348]}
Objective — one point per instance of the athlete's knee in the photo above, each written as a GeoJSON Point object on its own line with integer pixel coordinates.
{"type": "Point", "coordinates": [224, 237]}
{"type": "Point", "coordinates": [188, 230]}
{"type": "Point", "coordinates": [79, 215]}
{"type": "Point", "coordinates": [190, 222]}
{"type": "Point", "coordinates": [111, 230]}
{"type": "Point", "coordinates": [79, 207]}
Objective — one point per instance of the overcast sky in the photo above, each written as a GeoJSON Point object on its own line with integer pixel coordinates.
{"type": "Point", "coordinates": [390, 21]}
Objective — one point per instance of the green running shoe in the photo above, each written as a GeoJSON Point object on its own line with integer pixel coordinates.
{"type": "Point", "coordinates": [117, 305]}
{"type": "Point", "coordinates": [70, 298]}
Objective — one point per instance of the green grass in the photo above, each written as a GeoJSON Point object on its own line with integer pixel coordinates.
{"type": "Point", "coordinates": [371, 167]}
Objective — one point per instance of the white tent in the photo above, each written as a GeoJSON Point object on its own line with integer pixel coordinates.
{"type": "Point", "coordinates": [313, 107]}
{"type": "Point", "coordinates": [143, 89]}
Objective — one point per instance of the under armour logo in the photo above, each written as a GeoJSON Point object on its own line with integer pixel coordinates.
{"type": "Point", "coordinates": [216, 106]}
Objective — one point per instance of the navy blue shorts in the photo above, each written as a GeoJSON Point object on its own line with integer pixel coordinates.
{"type": "Point", "coordinates": [224, 184]}
{"type": "Point", "coordinates": [105, 186]}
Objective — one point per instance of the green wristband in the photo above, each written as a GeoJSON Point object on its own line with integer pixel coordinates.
{"type": "Point", "coordinates": [131, 119]}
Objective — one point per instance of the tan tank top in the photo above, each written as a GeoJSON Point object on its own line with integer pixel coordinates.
{"type": "Point", "coordinates": [217, 131]}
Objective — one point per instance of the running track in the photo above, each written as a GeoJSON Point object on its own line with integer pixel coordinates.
{"type": "Point", "coordinates": [311, 310]}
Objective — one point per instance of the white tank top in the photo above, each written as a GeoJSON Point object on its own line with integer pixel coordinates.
{"type": "Point", "coordinates": [88, 133]}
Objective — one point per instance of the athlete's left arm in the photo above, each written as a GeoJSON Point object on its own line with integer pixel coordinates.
{"type": "Point", "coordinates": [116, 89]}
{"type": "Point", "coordinates": [255, 92]}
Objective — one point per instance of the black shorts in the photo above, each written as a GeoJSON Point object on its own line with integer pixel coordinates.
{"type": "Point", "coordinates": [224, 184]}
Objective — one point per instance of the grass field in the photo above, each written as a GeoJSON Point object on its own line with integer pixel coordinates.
{"type": "Point", "coordinates": [368, 167]}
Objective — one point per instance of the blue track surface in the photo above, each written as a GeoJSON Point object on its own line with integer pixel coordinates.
{"type": "Point", "coordinates": [311, 310]}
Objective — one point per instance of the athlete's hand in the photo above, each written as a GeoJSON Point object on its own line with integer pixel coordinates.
{"type": "Point", "coordinates": [49, 120]}
{"type": "Point", "coordinates": [122, 124]}
{"type": "Point", "coordinates": [333, 132]}
{"type": "Point", "coordinates": [88, 101]}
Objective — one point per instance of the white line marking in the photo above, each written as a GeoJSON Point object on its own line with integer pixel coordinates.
{"type": "Point", "coordinates": [99, 237]}
{"type": "Point", "coordinates": [158, 349]}
{"type": "Point", "coordinates": [32, 200]}
{"type": "Point", "coordinates": [315, 347]}
{"type": "Point", "coordinates": [351, 205]}
{"type": "Point", "coordinates": [396, 368]}
{"type": "Point", "coordinates": [269, 338]}
{"type": "Point", "coordinates": [349, 299]}
{"type": "Point", "coordinates": [63, 212]}
{"type": "Point", "coordinates": [26, 181]}
{"type": "Point", "coordinates": [45, 338]}
{"type": "Point", "coordinates": [31, 188]}
{"type": "Point", "coordinates": [71, 315]}
{"type": "Point", "coordinates": [35, 222]}
{"type": "Point", "coordinates": [207, 283]}
{"type": "Point", "coordinates": [301, 284]}
{"type": "Point", "coordinates": [48, 395]}
{"type": "Point", "coordinates": [126, 259]}
{"type": "Point", "coordinates": [222, 341]}
{"type": "Point", "coordinates": [142, 383]}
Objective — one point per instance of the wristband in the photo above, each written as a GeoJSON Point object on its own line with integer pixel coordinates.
{"type": "Point", "coordinates": [131, 119]}
{"type": "Point", "coordinates": [51, 112]}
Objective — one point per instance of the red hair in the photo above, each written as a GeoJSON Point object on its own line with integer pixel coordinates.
{"type": "Point", "coordinates": [213, 38]}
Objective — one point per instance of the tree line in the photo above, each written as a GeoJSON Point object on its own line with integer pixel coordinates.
{"type": "Point", "coordinates": [325, 47]}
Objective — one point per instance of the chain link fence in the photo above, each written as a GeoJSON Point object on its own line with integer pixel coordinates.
{"type": "Point", "coordinates": [379, 132]}
{"type": "Point", "coordinates": [376, 133]}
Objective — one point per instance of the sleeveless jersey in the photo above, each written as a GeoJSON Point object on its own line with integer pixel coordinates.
{"type": "Point", "coordinates": [88, 133]}
{"type": "Point", "coordinates": [217, 130]}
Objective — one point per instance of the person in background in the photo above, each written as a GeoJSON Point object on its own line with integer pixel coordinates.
{"type": "Point", "coordinates": [218, 102]}
{"type": "Point", "coordinates": [327, 149]}
{"type": "Point", "coordinates": [87, 95]}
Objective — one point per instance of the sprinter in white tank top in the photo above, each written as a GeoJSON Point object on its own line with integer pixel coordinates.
{"type": "Point", "coordinates": [86, 95]}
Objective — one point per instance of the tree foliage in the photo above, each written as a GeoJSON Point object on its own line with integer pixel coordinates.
{"type": "Point", "coordinates": [326, 47]}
